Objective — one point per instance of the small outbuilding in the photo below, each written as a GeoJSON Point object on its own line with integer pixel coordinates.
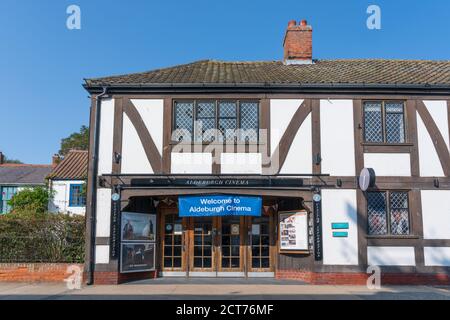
{"type": "Point", "coordinates": [67, 181]}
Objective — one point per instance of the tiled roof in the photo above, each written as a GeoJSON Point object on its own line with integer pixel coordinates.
{"type": "Point", "coordinates": [74, 166]}
{"type": "Point", "coordinates": [321, 72]}
{"type": "Point", "coordinates": [24, 174]}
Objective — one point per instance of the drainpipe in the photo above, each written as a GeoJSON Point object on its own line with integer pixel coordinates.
{"type": "Point", "coordinates": [93, 187]}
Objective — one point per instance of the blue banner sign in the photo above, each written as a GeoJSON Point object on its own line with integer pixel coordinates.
{"type": "Point", "coordinates": [219, 205]}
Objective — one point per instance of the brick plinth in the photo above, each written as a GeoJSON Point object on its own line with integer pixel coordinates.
{"type": "Point", "coordinates": [361, 278]}
{"type": "Point", "coordinates": [105, 278]}
{"type": "Point", "coordinates": [35, 272]}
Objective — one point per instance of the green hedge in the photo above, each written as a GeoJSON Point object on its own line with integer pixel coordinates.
{"type": "Point", "coordinates": [41, 237]}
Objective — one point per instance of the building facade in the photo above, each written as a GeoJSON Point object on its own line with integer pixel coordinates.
{"type": "Point", "coordinates": [17, 177]}
{"type": "Point", "coordinates": [170, 148]}
{"type": "Point", "coordinates": [68, 182]}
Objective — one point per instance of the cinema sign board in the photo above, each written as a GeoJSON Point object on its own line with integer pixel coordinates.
{"type": "Point", "coordinates": [219, 205]}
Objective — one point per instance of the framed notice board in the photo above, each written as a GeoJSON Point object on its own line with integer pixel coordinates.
{"type": "Point", "coordinates": [293, 232]}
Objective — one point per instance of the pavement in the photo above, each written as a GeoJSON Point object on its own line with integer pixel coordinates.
{"type": "Point", "coordinates": [220, 289]}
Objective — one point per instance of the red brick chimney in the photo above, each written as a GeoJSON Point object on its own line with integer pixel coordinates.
{"type": "Point", "coordinates": [2, 158]}
{"type": "Point", "coordinates": [298, 43]}
{"type": "Point", "coordinates": [56, 159]}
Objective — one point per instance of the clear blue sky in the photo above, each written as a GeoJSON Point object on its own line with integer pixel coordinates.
{"type": "Point", "coordinates": [42, 63]}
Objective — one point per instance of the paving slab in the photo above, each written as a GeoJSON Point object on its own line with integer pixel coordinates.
{"type": "Point", "coordinates": [207, 290]}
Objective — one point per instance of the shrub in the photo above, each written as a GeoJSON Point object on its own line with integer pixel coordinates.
{"type": "Point", "coordinates": [31, 199]}
{"type": "Point", "coordinates": [28, 236]}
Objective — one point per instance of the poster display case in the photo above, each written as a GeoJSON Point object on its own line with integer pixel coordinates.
{"type": "Point", "coordinates": [138, 247]}
{"type": "Point", "coordinates": [293, 231]}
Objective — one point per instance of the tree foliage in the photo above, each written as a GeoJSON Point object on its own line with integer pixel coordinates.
{"type": "Point", "coordinates": [77, 140]}
{"type": "Point", "coordinates": [31, 199]}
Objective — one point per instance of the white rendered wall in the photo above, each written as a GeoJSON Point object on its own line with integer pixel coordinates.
{"type": "Point", "coordinates": [436, 214]}
{"type": "Point", "coordinates": [389, 164]}
{"type": "Point", "coordinates": [339, 206]}
{"type": "Point", "coordinates": [281, 113]}
{"type": "Point", "coordinates": [103, 212]}
{"type": "Point", "coordinates": [241, 163]}
{"type": "Point", "coordinates": [102, 254]}
{"type": "Point", "coordinates": [429, 163]}
{"type": "Point", "coordinates": [437, 256]}
{"type": "Point", "coordinates": [391, 256]}
{"type": "Point", "coordinates": [299, 158]}
{"type": "Point", "coordinates": [134, 158]}
{"type": "Point", "coordinates": [439, 113]}
{"type": "Point", "coordinates": [106, 136]}
{"type": "Point", "coordinates": [337, 137]}
{"type": "Point", "coordinates": [152, 113]}
{"type": "Point", "coordinates": [195, 163]}
{"type": "Point", "coordinates": [61, 196]}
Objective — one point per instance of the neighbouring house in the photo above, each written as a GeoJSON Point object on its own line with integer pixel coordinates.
{"type": "Point", "coordinates": [300, 168]}
{"type": "Point", "coordinates": [67, 181]}
{"type": "Point", "coordinates": [16, 177]}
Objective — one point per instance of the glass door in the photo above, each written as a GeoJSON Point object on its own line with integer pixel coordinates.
{"type": "Point", "coordinates": [261, 244]}
{"type": "Point", "coordinates": [201, 251]}
{"type": "Point", "coordinates": [231, 246]}
{"type": "Point", "coordinates": [173, 243]}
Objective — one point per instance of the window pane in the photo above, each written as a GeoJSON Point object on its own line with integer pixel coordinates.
{"type": "Point", "coordinates": [376, 213]}
{"type": "Point", "coordinates": [249, 121]}
{"type": "Point", "coordinates": [184, 113]}
{"type": "Point", "coordinates": [395, 127]}
{"type": "Point", "coordinates": [373, 128]}
{"type": "Point", "coordinates": [399, 213]}
{"type": "Point", "coordinates": [227, 120]}
{"type": "Point", "coordinates": [228, 129]}
{"type": "Point", "coordinates": [205, 121]}
{"type": "Point", "coordinates": [227, 109]}
{"type": "Point", "coordinates": [206, 110]}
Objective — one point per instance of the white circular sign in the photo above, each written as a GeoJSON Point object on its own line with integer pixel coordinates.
{"type": "Point", "coordinates": [317, 197]}
{"type": "Point", "coordinates": [115, 197]}
{"type": "Point", "coordinates": [366, 179]}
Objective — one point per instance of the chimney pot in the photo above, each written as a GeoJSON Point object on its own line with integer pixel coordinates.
{"type": "Point", "coordinates": [292, 23]}
{"type": "Point", "coordinates": [303, 23]}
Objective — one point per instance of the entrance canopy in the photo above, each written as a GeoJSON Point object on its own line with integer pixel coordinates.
{"type": "Point", "coordinates": [219, 205]}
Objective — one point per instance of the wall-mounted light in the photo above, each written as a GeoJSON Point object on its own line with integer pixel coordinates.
{"type": "Point", "coordinates": [117, 157]}
{"type": "Point", "coordinates": [317, 159]}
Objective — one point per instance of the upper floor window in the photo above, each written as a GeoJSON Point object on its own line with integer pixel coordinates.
{"type": "Point", "coordinates": [388, 213]}
{"type": "Point", "coordinates": [76, 196]}
{"type": "Point", "coordinates": [216, 120]}
{"type": "Point", "coordinates": [384, 122]}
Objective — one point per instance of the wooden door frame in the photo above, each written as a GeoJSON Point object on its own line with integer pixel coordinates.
{"type": "Point", "coordinates": [162, 213]}
{"type": "Point", "coordinates": [272, 245]}
{"type": "Point", "coordinates": [242, 247]}
{"type": "Point", "coordinates": [190, 245]}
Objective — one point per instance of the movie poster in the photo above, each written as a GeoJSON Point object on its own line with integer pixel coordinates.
{"type": "Point", "coordinates": [137, 257]}
{"type": "Point", "coordinates": [138, 226]}
{"type": "Point", "coordinates": [293, 231]}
